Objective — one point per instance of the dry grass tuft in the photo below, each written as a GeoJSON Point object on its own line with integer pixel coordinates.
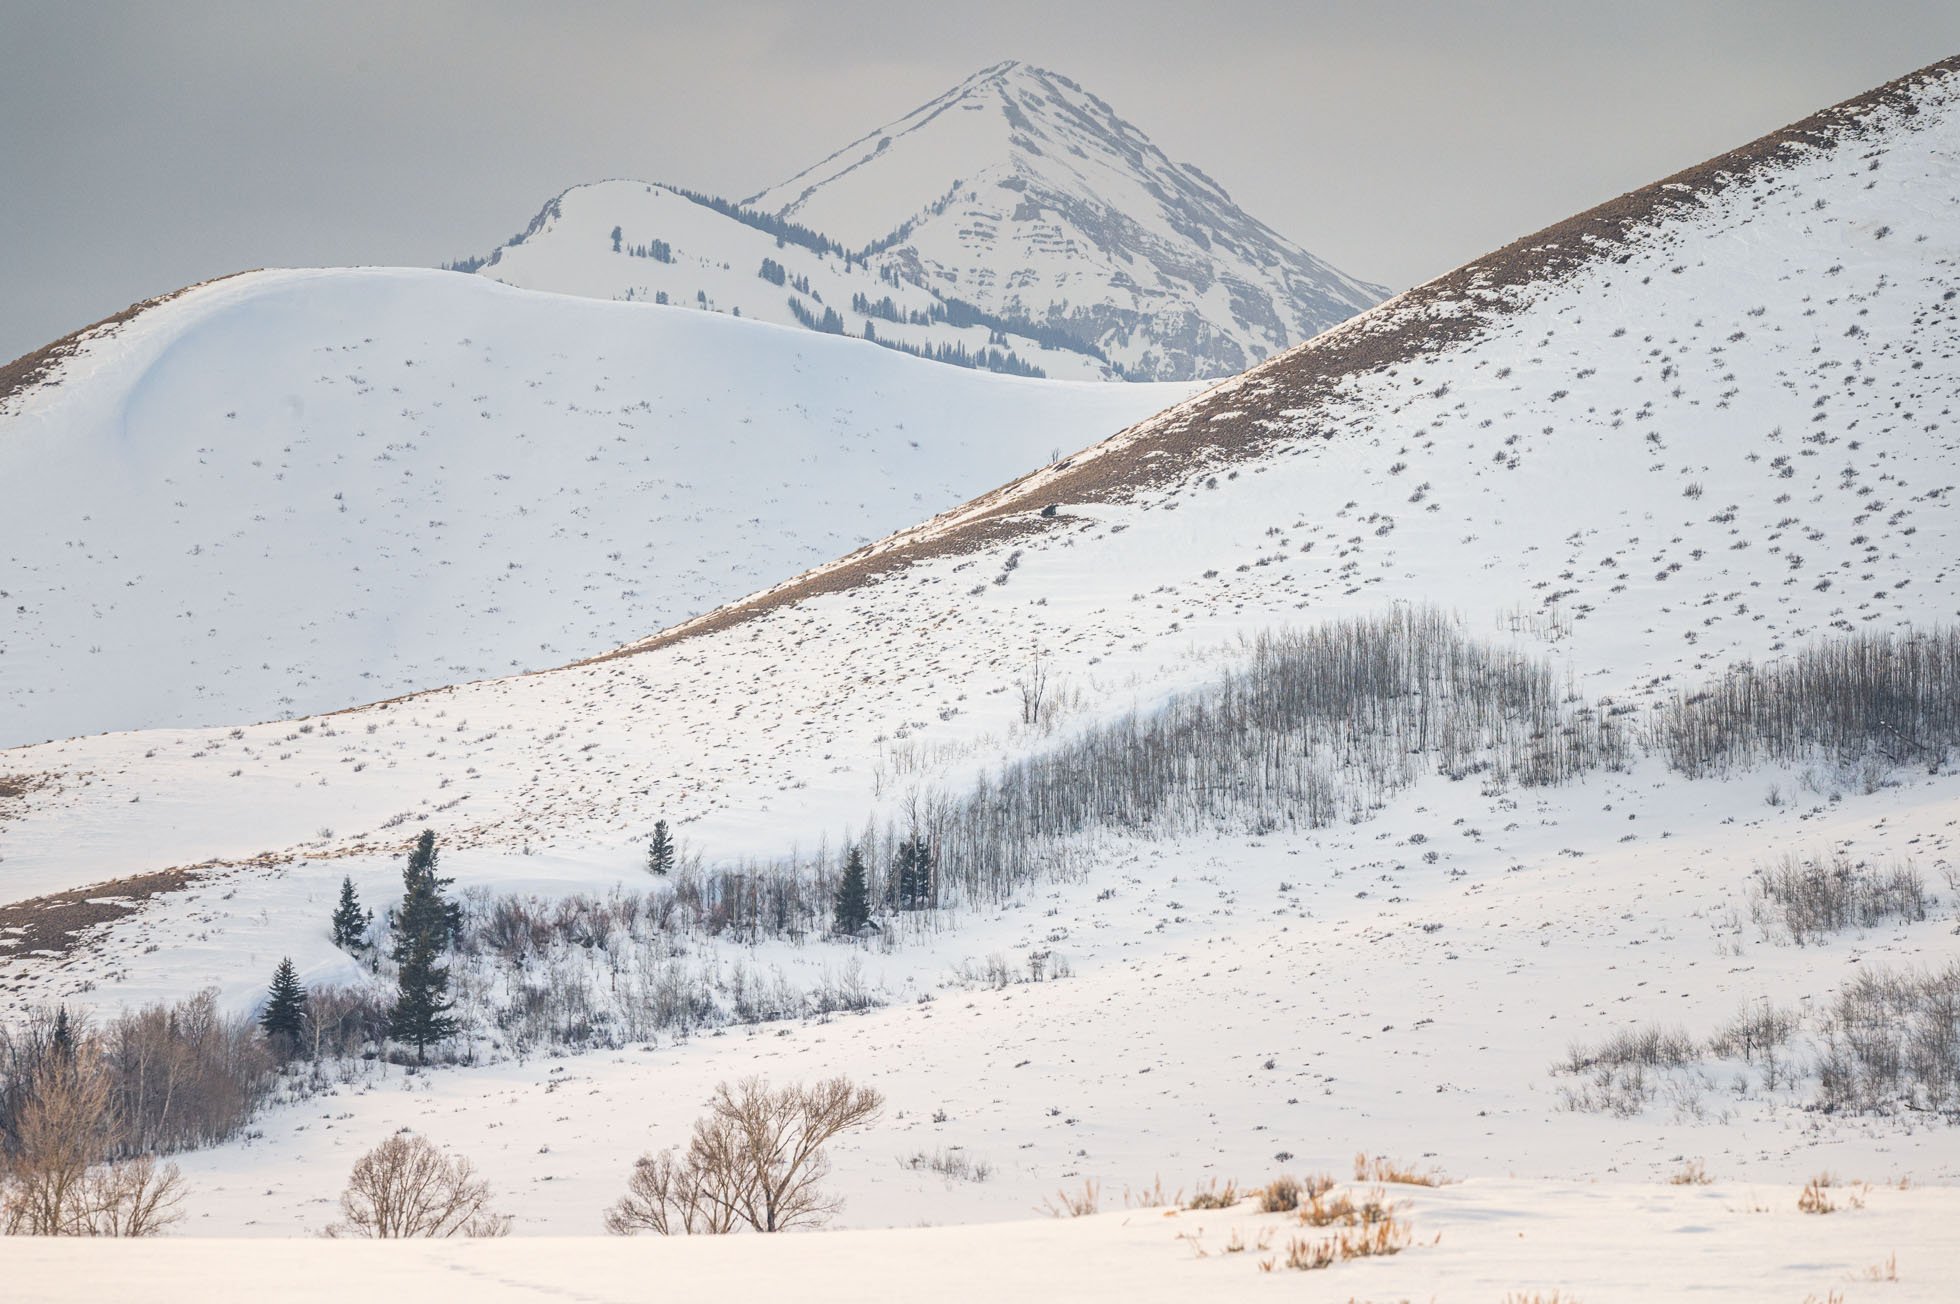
{"type": "Point", "coordinates": [1153, 1196]}
{"type": "Point", "coordinates": [1816, 1197]}
{"type": "Point", "coordinates": [1380, 1168]}
{"type": "Point", "coordinates": [1693, 1173]}
{"type": "Point", "coordinates": [1214, 1196]}
{"type": "Point", "coordinates": [1282, 1195]}
{"type": "Point", "coordinates": [1078, 1205]}
{"type": "Point", "coordinates": [1360, 1239]}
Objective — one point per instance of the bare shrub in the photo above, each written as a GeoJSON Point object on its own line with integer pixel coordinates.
{"type": "Point", "coordinates": [954, 1165]}
{"type": "Point", "coordinates": [1282, 1195]}
{"type": "Point", "coordinates": [756, 1160]}
{"type": "Point", "coordinates": [406, 1187]}
{"type": "Point", "coordinates": [1892, 1039]}
{"type": "Point", "coordinates": [1649, 1047]}
{"type": "Point", "coordinates": [1756, 1032]}
{"type": "Point", "coordinates": [344, 1022]}
{"type": "Point", "coordinates": [1811, 897]}
{"type": "Point", "coordinates": [1692, 1173]}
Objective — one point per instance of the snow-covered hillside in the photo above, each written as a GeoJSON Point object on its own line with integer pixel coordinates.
{"type": "Point", "coordinates": [1013, 222]}
{"type": "Point", "coordinates": [296, 491]}
{"type": "Point", "coordinates": [1707, 423]}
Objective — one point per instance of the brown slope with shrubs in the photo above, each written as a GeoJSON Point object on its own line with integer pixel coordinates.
{"type": "Point", "coordinates": [1241, 418]}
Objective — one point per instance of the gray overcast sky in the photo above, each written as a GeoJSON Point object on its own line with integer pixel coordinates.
{"type": "Point", "coordinates": [148, 145]}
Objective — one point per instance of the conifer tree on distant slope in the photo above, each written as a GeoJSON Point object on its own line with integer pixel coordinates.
{"type": "Point", "coordinates": [350, 922]}
{"type": "Point", "coordinates": [425, 925]}
{"type": "Point", "coordinates": [424, 908]}
{"type": "Point", "coordinates": [660, 851]}
{"type": "Point", "coordinates": [911, 887]}
{"type": "Point", "coordinates": [285, 1007]}
{"type": "Point", "coordinates": [853, 910]}
{"type": "Point", "coordinates": [421, 1014]}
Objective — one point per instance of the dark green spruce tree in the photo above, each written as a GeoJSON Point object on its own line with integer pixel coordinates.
{"type": "Point", "coordinates": [421, 1014]}
{"type": "Point", "coordinates": [285, 1008]}
{"type": "Point", "coordinates": [660, 851]}
{"type": "Point", "coordinates": [61, 1043]}
{"type": "Point", "coordinates": [853, 896]}
{"type": "Point", "coordinates": [424, 908]}
{"type": "Point", "coordinates": [425, 925]}
{"type": "Point", "coordinates": [912, 874]}
{"type": "Point", "coordinates": [350, 922]}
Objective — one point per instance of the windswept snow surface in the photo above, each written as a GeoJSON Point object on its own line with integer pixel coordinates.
{"type": "Point", "coordinates": [1719, 439]}
{"type": "Point", "coordinates": [1483, 1241]}
{"type": "Point", "coordinates": [1017, 193]}
{"type": "Point", "coordinates": [298, 491]}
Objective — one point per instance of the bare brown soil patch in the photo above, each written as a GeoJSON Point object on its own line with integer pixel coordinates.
{"type": "Point", "coordinates": [13, 787]}
{"type": "Point", "coordinates": [57, 923]}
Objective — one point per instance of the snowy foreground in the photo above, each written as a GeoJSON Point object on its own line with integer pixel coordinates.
{"type": "Point", "coordinates": [1483, 1240]}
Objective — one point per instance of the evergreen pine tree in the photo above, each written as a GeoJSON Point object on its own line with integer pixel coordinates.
{"type": "Point", "coordinates": [912, 874]}
{"type": "Point", "coordinates": [617, 236]}
{"type": "Point", "coordinates": [660, 851]}
{"type": "Point", "coordinates": [285, 1006]}
{"type": "Point", "coordinates": [424, 909]}
{"type": "Point", "coordinates": [420, 1016]}
{"type": "Point", "coordinates": [853, 896]}
{"type": "Point", "coordinates": [350, 922]}
{"type": "Point", "coordinates": [61, 1043]}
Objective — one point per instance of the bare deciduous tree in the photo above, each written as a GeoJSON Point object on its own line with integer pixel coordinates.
{"type": "Point", "coordinates": [54, 1183]}
{"type": "Point", "coordinates": [405, 1187]}
{"type": "Point", "coordinates": [132, 1197]}
{"type": "Point", "coordinates": [756, 1160]}
{"type": "Point", "coordinates": [60, 1129]}
{"type": "Point", "coordinates": [669, 1195]}
{"type": "Point", "coordinates": [1033, 687]}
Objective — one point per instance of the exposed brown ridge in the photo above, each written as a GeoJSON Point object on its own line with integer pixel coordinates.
{"type": "Point", "coordinates": [32, 370]}
{"type": "Point", "coordinates": [1186, 440]}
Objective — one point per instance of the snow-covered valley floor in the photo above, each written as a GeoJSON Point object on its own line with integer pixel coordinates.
{"type": "Point", "coordinates": [1487, 1239]}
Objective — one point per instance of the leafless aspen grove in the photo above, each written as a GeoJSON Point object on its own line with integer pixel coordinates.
{"type": "Point", "coordinates": [1314, 726]}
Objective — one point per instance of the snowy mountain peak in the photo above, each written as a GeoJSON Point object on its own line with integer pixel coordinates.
{"type": "Point", "coordinates": [1011, 121]}
{"type": "Point", "coordinates": [1028, 195]}
{"type": "Point", "coordinates": [1015, 222]}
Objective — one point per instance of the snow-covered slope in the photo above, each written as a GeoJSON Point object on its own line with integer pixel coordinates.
{"type": "Point", "coordinates": [1015, 222]}
{"type": "Point", "coordinates": [297, 491]}
{"type": "Point", "coordinates": [1021, 192]}
{"type": "Point", "coordinates": [676, 249]}
{"type": "Point", "coordinates": [1706, 423]}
